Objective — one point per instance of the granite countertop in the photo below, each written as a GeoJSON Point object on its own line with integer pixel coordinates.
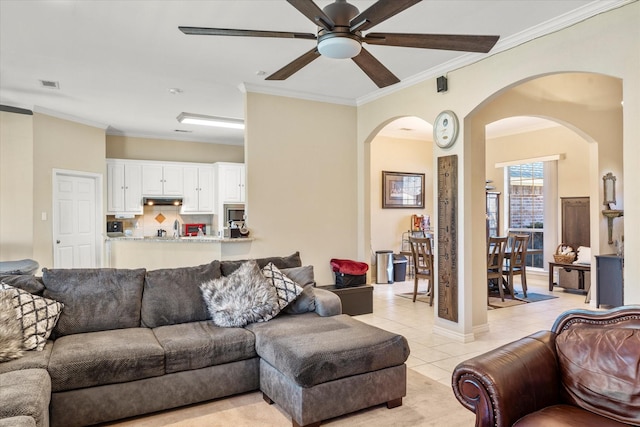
{"type": "Point", "coordinates": [205, 239]}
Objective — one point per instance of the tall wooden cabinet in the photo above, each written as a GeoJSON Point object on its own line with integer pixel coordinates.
{"type": "Point", "coordinates": [576, 229]}
{"type": "Point", "coordinates": [575, 232]}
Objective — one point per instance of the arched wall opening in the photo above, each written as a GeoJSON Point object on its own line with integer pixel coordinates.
{"type": "Point", "coordinates": [401, 144]}
{"type": "Point", "coordinates": [588, 108]}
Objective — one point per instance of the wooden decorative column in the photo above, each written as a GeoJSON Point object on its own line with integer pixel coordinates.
{"type": "Point", "coordinates": [448, 237]}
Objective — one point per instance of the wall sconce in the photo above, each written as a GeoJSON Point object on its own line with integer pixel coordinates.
{"type": "Point", "coordinates": [609, 183]}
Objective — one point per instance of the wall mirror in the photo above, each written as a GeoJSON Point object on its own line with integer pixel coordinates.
{"type": "Point", "coordinates": [609, 182]}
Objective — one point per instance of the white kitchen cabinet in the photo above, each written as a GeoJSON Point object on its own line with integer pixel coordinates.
{"type": "Point", "coordinates": [230, 178]}
{"type": "Point", "coordinates": [198, 189]}
{"type": "Point", "coordinates": [162, 180]}
{"type": "Point", "coordinates": [124, 187]}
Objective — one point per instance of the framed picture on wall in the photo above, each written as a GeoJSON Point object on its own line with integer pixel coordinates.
{"type": "Point", "coordinates": [402, 190]}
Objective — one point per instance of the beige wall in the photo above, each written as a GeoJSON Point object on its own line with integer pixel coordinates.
{"type": "Point", "coordinates": [398, 155]}
{"type": "Point", "coordinates": [16, 186]}
{"type": "Point", "coordinates": [123, 147]}
{"type": "Point", "coordinates": [59, 144]}
{"type": "Point", "coordinates": [589, 46]}
{"type": "Point", "coordinates": [301, 180]}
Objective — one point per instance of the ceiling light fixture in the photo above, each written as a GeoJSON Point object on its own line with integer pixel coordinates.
{"type": "Point", "coordinates": [339, 47]}
{"type": "Point", "coordinates": [199, 119]}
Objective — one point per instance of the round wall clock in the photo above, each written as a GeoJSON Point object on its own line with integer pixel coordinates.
{"type": "Point", "coordinates": [445, 129]}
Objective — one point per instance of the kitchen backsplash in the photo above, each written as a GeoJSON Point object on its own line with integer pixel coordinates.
{"type": "Point", "coordinates": [159, 217]}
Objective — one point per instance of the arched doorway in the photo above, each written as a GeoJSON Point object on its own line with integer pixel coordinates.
{"type": "Point", "coordinates": [400, 145]}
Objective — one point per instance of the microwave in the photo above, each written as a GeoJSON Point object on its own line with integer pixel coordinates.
{"type": "Point", "coordinates": [192, 229]}
{"type": "Point", "coordinates": [233, 214]}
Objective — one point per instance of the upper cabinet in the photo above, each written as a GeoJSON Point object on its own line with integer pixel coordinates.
{"type": "Point", "coordinates": [124, 187]}
{"type": "Point", "coordinates": [162, 180]}
{"type": "Point", "coordinates": [230, 178]}
{"type": "Point", "coordinates": [198, 189]}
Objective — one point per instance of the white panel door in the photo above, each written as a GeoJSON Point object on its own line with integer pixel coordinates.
{"type": "Point", "coordinates": [74, 228]}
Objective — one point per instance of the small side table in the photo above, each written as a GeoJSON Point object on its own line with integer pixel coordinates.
{"type": "Point", "coordinates": [355, 300]}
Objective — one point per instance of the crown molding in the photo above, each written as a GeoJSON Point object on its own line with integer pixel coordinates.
{"type": "Point", "coordinates": [556, 24]}
{"type": "Point", "coordinates": [69, 117]}
{"type": "Point", "coordinates": [252, 87]}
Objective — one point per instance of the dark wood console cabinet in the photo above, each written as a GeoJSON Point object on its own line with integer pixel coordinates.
{"type": "Point", "coordinates": [610, 281]}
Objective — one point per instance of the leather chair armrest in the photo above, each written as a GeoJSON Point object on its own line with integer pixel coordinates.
{"type": "Point", "coordinates": [505, 384]}
{"type": "Point", "coordinates": [327, 303]}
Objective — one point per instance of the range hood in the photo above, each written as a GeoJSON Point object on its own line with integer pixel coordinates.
{"type": "Point", "coordinates": [162, 201]}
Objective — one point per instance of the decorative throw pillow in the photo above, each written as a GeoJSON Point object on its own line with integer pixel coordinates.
{"type": "Point", "coordinates": [11, 340]}
{"type": "Point", "coordinates": [306, 301]}
{"type": "Point", "coordinates": [600, 370]}
{"type": "Point", "coordinates": [584, 255]}
{"type": "Point", "coordinates": [287, 289]}
{"type": "Point", "coordinates": [243, 297]}
{"type": "Point", "coordinates": [38, 316]}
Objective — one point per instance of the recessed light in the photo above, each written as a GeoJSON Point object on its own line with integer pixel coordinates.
{"type": "Point", "coordinates": [406, 129]}
{"type": "Point", "coordinates": [183, 131]}
{"type": "Point", "coordinates": [175, 91]}
{"type": "Point", "coordinates": [260, 73]}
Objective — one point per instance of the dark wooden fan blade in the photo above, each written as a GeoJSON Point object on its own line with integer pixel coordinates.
{"type": "Point", "coordinates": [295, 65]}
{"type": "Point", "coordinates": [379, 12]}
{"type": "Point", "coordinates": [199, 31]}
{"type": "Point", "coordinates": [373, 68]}
{"type": "Point", "coordinates": [311, 10]}
{"type": "Point", "coordinates": [466, 43]}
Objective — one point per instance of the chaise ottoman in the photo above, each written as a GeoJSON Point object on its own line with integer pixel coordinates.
{"type": "Point", "coordinates": [318, 368]}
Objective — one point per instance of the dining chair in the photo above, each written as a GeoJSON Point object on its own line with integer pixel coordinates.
{"type": "Point", "coordinates": [495, 258]}
{"type": "Point", "coordinates": [422, 254]}
{"type": "Point", "coordinates": [517, 263]}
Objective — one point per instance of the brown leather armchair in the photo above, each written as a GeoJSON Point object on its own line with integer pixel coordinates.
{"type": "Point", "coordinates": [585, 371]}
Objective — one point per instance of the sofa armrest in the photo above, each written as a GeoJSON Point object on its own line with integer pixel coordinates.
{"type": "Point", "coordinates": [504, 384]}
{"type": "Point", "coordinates": [327, 303]}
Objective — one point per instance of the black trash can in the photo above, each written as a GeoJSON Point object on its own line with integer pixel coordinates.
{"type": "Point", "coordinates": [399, 267]}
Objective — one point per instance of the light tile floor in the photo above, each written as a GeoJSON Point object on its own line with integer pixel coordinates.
{"type": "Point", "coordinates": [436, 356]}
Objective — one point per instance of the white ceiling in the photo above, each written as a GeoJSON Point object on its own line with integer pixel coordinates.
{"type": "Point", "coordinates": [117, 60]}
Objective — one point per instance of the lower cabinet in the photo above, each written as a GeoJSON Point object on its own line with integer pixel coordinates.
{"type": "Point", "coordinates": [610, 283]}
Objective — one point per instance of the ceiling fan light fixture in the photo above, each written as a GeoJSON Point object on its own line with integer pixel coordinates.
{"type": "Point", "coordinates": [200, 119]}
{"type": "Point", "coordinates": [339, 47]}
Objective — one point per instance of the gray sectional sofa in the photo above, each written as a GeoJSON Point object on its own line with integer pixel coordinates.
{"type": "Point", "coordinates": [132, 342]}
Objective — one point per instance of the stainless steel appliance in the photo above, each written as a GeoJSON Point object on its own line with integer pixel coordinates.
{"type": "Point", "coordinates": [233, 213]}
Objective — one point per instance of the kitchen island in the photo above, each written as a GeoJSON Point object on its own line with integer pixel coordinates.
{"type": "Point", "coordinates": [167, 252]}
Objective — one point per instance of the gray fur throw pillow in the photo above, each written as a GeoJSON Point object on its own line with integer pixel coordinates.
{"type": "Point", "coordinates": [243, 297]}
{"type": "Point", "coordinates": [11, 338]}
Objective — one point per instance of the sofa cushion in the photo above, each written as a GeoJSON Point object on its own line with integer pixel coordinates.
{"type": "Point", "coordinates": [565, 416]}
{"type": "Point", "coordinates": [95, 299]}
{"type": "Point", "coordinates": [286, 289]}
{"type": "Point", "coordinates": [197, 345]}
{"type": "Point", "coordinates": [20, 421]}
{"type": "Point", "coordinates": [173, 295]}
{"type": "Point", "coordinates": [304, 277]}
{"type": "Point", "coordinates": [105, 357]}
{"type": "Point", "coordinates": [26, 393]}
{"type": "Point", "coordinates": [30, 360]}
{"type": "Point", "coordinates": [290, 261]}
{"type": "Point", "coordinates": [312, 350]}
{"type": "Point", "coordinates": [38, 316]}
{"type": "Point", "coordinates": [26, 282]}
{"type": "Point", "coordinates": [600, 370]}
{"type": "Point", "coordinates": [243, 297]}
{"type": "Point", "coordinates": [11, 338]}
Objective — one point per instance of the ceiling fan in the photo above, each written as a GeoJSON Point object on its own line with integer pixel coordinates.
{"type": "Point", "coordinates": [340, 27]}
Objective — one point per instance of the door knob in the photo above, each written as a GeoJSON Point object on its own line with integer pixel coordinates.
{"type": "Point", "coordinates": [58, 241]}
